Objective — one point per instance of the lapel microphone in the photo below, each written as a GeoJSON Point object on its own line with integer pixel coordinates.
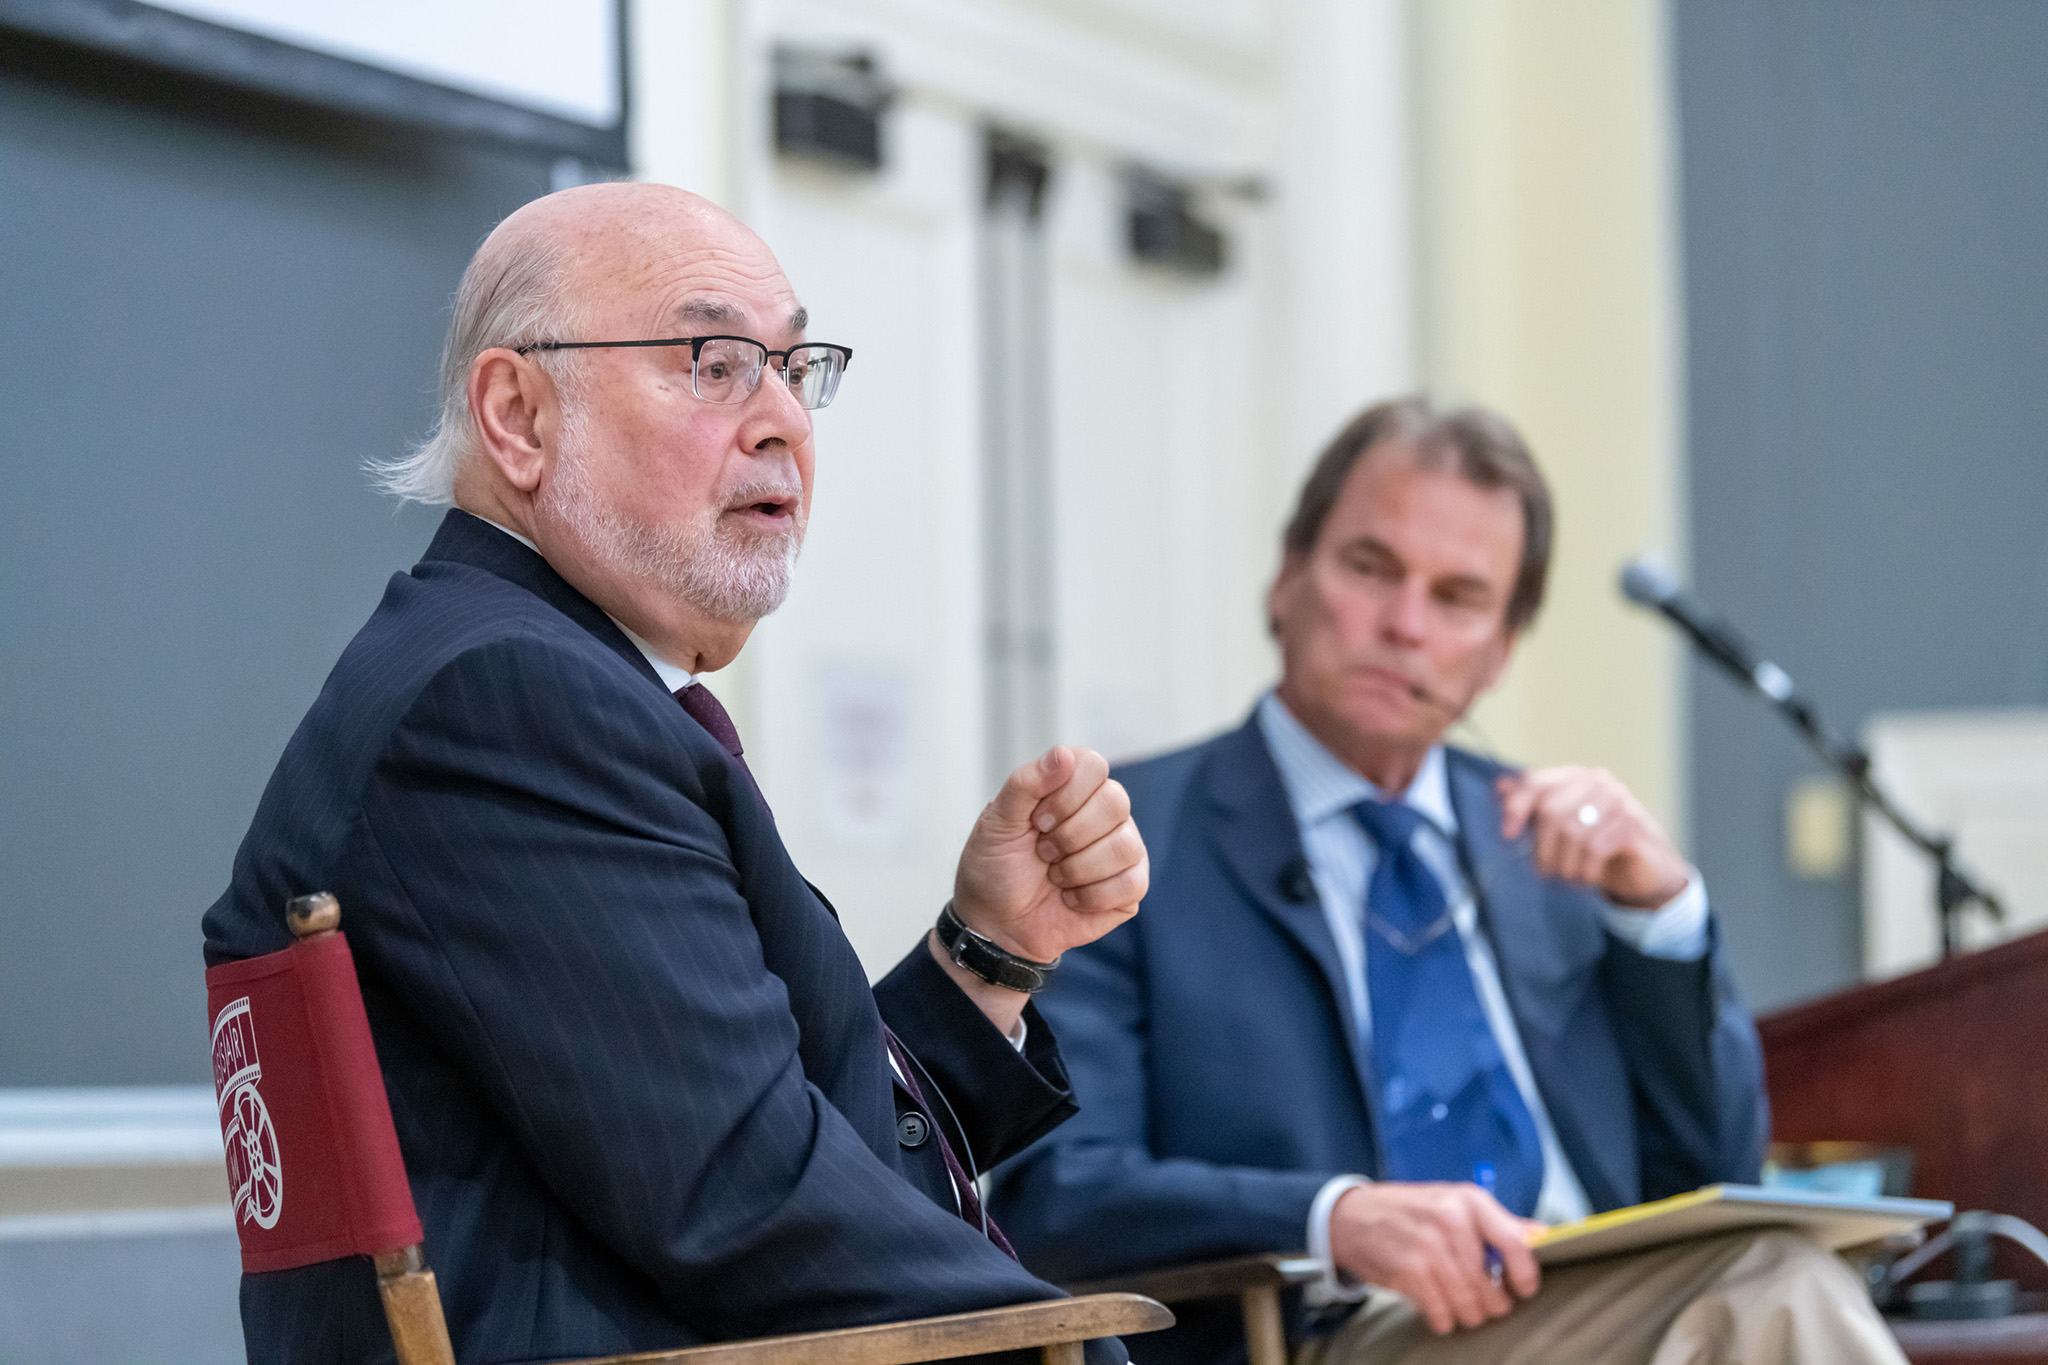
{"type": "Point", "coordinates": [1295, 883]}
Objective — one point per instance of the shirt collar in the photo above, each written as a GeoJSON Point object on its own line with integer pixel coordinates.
{"type": "Point", "coordinates": [673, 678]}
{"type": "Point", "coordinates": [1319, 784]}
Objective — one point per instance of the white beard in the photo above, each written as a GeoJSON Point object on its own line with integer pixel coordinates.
{"type": "Point", "coordinates": [725, 570]}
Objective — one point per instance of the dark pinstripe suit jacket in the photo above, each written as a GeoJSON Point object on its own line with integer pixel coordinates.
{"type": "Point", "coordinates": [637, 1072]}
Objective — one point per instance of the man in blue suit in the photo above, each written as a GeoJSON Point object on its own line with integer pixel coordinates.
{"type": "Point", "coordinates": [645, 1095]}
{"type": "Point", "coordinates": [1396, 1001]}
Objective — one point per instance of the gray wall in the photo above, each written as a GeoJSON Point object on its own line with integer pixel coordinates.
{"type": "Point", "coordinates": [212, 310]}
{"type": "Point", "coordinates": [176, 1272]}
{"type": "Point", "coordinates": [1865, 211]}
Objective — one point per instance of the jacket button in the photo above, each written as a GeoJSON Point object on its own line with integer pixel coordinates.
{"type": "Point", "coordinates": [912, 1129]}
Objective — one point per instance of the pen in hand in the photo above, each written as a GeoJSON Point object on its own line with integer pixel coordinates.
{"type": "Point", "coordinates": [1483, 1177]}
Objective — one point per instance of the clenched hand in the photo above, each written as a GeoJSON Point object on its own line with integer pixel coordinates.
{"type": "Point", "coordinates": [1055, 861]}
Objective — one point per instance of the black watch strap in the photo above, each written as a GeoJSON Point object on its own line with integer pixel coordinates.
{"type": "Point", "coordinates": [993, 964]}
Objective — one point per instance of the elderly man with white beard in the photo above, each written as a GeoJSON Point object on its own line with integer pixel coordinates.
{"type": "Point", "coordinates": [644, 1092]}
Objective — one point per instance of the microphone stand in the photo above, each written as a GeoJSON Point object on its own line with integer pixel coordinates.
{"type": "Point", "coordinates": [1648, 584]}
{"type": "Point", "coordinates": [1953, 888]}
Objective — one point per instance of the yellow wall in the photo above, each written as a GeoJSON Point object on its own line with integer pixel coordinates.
{"type": "Point", "coordinates": [1548, 288]}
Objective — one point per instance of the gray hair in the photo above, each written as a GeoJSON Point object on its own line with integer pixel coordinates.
{"type": "Point", "coordinates": [508, 297]}
{"type": "Point", "coordinates": [1480, 445]}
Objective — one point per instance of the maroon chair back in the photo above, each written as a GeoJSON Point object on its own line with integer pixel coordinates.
{"type": "Point", "coordinates": [312, 1158]}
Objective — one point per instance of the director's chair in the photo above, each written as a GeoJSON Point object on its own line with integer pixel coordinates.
{"type": "Point", "coordinates": [323, 1104]}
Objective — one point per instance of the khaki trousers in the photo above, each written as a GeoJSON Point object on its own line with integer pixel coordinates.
{"type": "Point", "coordinates": [1769, 1298]}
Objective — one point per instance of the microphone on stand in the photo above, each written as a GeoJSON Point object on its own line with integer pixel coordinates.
{"type": "Point", "coordinates": [1649, 584]}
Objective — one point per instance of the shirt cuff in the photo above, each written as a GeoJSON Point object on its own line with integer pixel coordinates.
{"type": "Point", "coordinates": [1675, 931]}
{"type": "Point", "coordinates": [1330, 1287]}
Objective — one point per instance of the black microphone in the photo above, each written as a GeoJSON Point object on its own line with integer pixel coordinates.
{"type": "Point", "coordinates": [1647, 583]}
{"type": "Point", "coordinates": [1296, 884]}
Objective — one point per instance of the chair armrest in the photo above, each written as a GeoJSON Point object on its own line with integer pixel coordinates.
{"type": "Point", "coordinates": [1209, 1279]}
{"type": "Point", "coordinates": [1019, 1326]}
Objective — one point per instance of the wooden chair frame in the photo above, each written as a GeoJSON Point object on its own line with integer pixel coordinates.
{"type": "Point", "coordinates": [1057, 1327]}
{"type": "Point", "coordinates": [1256, 1282]}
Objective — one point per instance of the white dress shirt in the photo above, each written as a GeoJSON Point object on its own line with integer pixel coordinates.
{"type": "Point", "coordinates": [1322, 789]}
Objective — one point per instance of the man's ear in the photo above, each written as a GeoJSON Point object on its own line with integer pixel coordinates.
{"type": "Point", "coordinates": [1504, 654]}
{"type": "Point", "coordinates": [509, 396]}
{"type": "Point", "coordinates": [1277, 596]}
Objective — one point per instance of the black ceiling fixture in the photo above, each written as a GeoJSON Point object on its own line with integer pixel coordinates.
{"type": "Point", "coordinates": [829, 106]}
{"type": "Point", "coordinates": [1164, 230]}
{"type": "Point", "coordinates": [1020, 169]}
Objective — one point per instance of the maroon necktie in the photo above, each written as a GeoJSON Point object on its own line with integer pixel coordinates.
{"type": "Point", "coordinates": [707, 712]}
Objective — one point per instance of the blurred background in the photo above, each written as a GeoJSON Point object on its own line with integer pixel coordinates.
{"type": "Point", "coordinates": [1762, 281]}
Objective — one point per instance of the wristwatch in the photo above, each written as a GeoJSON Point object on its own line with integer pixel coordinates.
{"type": "Point", "coordinates": [992, 963]}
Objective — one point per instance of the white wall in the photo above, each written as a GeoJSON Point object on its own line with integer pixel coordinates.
{"type": "Point", "coordinates": [1183, 410]}
{"type": "Point", "coordinates": [1980, 778]}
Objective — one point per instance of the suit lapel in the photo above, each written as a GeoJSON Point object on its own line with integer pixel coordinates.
{"type": "Point", "coordinates": [1534, 961]}
{"type": "Point", "coordinates": [1251, 825]}
{"type": "Point", "coordinates": [1544, 959]}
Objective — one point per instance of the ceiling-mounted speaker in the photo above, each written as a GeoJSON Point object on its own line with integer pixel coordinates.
{"type": "Point", "coordinates": [829, 106]}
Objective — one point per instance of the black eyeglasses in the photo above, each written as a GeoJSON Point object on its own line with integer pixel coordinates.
{"type": "Point", "coordinates": [727, 369]}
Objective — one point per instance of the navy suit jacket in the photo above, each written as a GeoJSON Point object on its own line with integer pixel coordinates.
{"type": "Point", "coordinates": [1211, 1043]}
{"type": "Point", "coordinates": [636, 1070]}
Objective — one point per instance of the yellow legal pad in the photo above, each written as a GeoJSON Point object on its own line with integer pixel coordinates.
{"type": "Point", "coordinates": [1834, 1220]}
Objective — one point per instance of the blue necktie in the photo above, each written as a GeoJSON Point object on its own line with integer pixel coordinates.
{"type": "Point", "coordinates": [1448, 1106]}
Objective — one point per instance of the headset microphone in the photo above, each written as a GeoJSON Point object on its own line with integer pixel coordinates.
{"type": "Point", "coordinates": [1429, 698]}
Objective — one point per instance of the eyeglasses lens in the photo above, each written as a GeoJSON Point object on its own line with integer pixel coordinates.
{"type": "Point", "coordinates": [728, 370]}
{"type": "Point", "coordinates": [813, 374]}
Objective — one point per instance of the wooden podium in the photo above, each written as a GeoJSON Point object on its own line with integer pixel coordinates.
{"type": "Point", "coordinates": [1953, 1063]}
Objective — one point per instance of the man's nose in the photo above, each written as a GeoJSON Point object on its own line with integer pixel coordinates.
{"type": "Point", "coordinates": [1405, 614]}
{"type": "Point", "coordinates": [774, 417]}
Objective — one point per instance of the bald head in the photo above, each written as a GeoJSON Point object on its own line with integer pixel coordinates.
{"type": "Point", "coordinates": [612, 207]}
{"type": "Point", "coordinates": [603, 236]}
{"type": "Point", "coordinates": [595, 256]}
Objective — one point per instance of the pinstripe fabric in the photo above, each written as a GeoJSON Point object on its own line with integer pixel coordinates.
{"type": "Point", "coordinates": [637, 1072]}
